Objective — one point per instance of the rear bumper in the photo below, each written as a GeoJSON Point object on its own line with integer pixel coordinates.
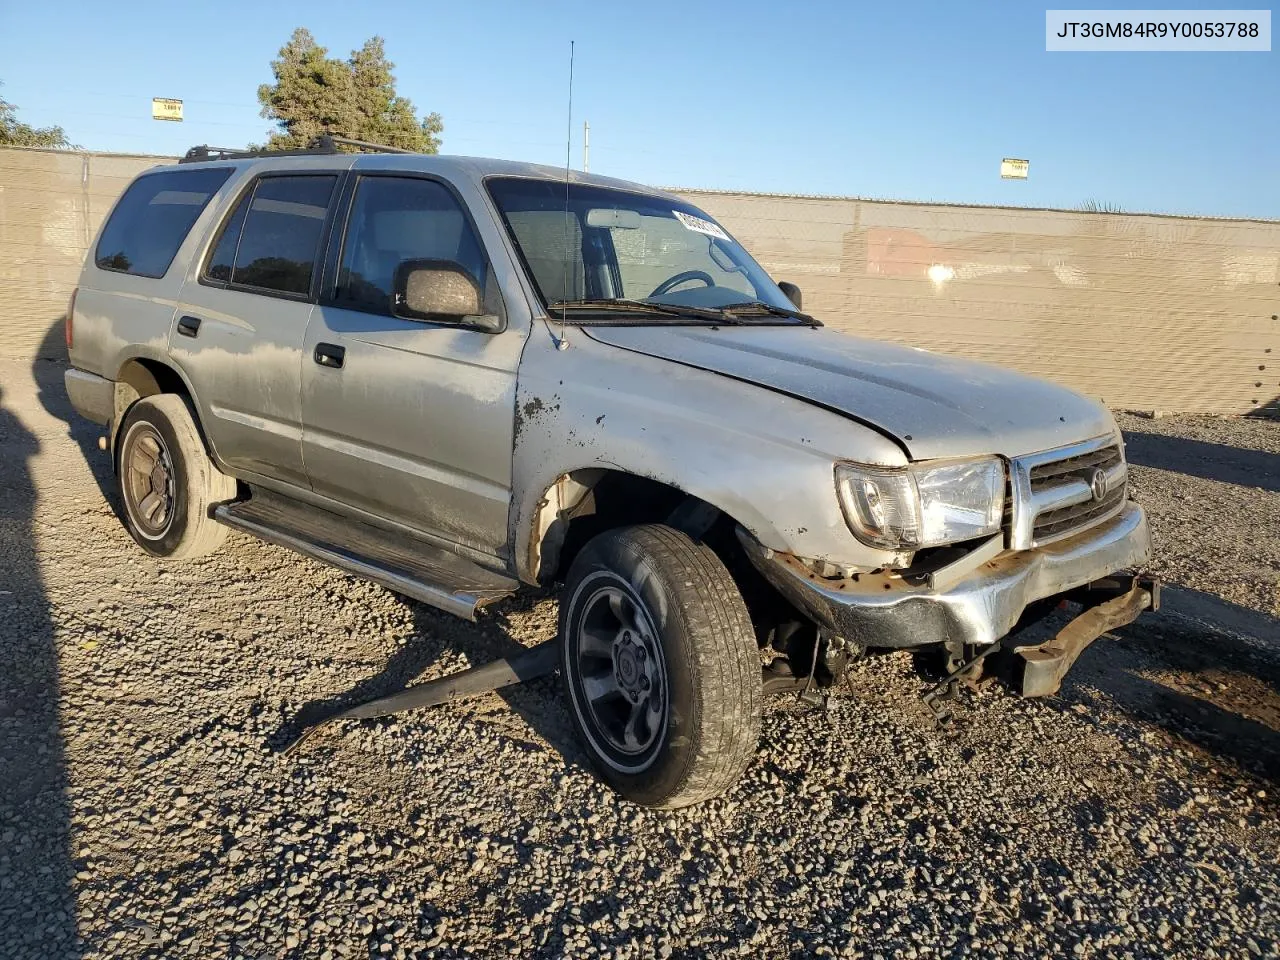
{"type": "Point", "coordinates": [92, 396]}
{"type": "Point", "coordinates": [884, 611]}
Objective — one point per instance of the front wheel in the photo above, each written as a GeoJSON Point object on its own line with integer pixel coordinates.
{"type": "Point", "coordinates": [660, 666]}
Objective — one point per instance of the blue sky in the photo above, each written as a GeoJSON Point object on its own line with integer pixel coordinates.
{"type": "Point", "coordinates": [902, 100]}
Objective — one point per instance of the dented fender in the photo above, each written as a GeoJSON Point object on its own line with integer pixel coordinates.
{"type": "Point", "coordinates": [763, 458]}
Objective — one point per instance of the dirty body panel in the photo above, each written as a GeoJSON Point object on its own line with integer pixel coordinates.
{"type": "Point", "coordinates": [417, 424]}
{"type": "Point", "coordinates": [936, 406]}
{"type": "Point", "coordinates": [763, 459]}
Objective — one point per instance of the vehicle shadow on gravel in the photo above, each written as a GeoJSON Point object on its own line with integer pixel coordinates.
{"type": "Point", "coordinates": [37, 905]}
{"type": "Point", "coordinates": [47, 370]}
{"type": "Point", "coordinates": [438, 637]}
{"type": "Point", "coordinates": [1200, 458]}
{"type": "Point", "coordinates": [1217, 690]}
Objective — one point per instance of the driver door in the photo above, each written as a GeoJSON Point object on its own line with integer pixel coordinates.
{"type": "Point", "coordinates": [405, 420]}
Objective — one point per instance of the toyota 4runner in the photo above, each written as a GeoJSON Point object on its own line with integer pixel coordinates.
{"type": "Point", "coordinates": [458, 377]}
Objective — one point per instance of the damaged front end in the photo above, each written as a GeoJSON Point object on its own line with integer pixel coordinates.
{"type": "Point", "coordinates": [1107, 605]}
{"type": "Point", "coordinates": [971, 603]}
{"type": "Point", "coordinates": [1036, 670]}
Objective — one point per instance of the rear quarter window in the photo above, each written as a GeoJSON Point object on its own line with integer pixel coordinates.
{"type": "Point", "coordinates": [149, 223]}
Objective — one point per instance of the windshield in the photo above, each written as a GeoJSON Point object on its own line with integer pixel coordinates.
{"type": "Point", "coordinates": [618, 248]}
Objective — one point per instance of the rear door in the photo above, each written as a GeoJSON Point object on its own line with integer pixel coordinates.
{"type": "Point", "coordinates": [240, 325]}
{"type": "Point", "coordinates": [407, 420]}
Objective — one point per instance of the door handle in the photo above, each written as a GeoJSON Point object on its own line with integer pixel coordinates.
{"type": "Point", "coordinates": [330, 355]}
{"type": "Point", "coordinates": [189, 326]}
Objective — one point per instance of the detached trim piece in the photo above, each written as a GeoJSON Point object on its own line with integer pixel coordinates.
{"type": "Point", "coordinates": [1044, 666]}
{"type": "Point", "coordinates": [527, 665]}
{"type": "Point", "coordinates": [950, 575]}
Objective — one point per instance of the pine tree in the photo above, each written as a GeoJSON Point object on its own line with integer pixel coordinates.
{"type": "Point", "coordinates": [14, 133]}
{"type": "Point", "coordinates": [314, 93]}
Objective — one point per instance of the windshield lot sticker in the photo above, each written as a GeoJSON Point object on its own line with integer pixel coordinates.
{"type": "Point", "coordinates": [698, 225]}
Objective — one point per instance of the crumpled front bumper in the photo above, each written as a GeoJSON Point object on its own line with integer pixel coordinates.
{"type": "Point", "coordinates": [887, 611]}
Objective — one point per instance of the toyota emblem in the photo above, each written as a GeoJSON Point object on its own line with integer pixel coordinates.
{"type": "Point", "coordinates": [1098, 484]}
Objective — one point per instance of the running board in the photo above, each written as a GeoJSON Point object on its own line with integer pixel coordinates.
{"type": "Point", "coordinates": [400, 563]}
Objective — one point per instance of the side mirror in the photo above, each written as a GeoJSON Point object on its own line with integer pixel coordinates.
{"type": "Point", "coordinates": [440, 291]}
{"type": "Point", "coordinates": [792, 292]}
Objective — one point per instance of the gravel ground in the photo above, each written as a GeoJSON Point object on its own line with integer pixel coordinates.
{"type": "Point", "coordinates": [1231, 467]}
{"type": "Point", "coordinates": [145, 810]}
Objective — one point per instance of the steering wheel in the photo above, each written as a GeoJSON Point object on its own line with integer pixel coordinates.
{"type": "Point", "coordinates": [672, 282]}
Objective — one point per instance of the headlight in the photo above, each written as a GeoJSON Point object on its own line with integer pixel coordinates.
{"type": "Point", "coordinates": [924, 505]}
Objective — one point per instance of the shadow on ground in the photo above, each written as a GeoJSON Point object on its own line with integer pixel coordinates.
{"type": "Point", "coordinates": [1269, 410]}
{"type": "Point", "coordinates": [48, 369]}
{"type": "Point", "coordinates": [1200, 458]}
{"type": "Point", "coordinates": [438, 636]}
{"type": "Point", "coordinates": [1204, 670]}
{"type": "Point", "coordinates": [37, 904]}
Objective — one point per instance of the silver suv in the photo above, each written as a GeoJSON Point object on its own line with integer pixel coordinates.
{"type": "Point", "coordinates": [457, 377]}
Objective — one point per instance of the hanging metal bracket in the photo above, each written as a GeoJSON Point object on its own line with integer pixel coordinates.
{"type": "Point", "coordinates": [532, 663]}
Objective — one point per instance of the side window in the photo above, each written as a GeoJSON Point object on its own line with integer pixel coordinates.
{"type": "Point", "coordinates": [223, 258]}
{"type": "Point", "coordinates": [148, 225]}
{"type": "Point", "coordinates": [394, 219]}
{"type": "Point", "coordinates": [281, 234]}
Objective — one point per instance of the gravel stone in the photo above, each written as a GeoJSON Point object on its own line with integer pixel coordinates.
{"type": "Point", "coordinates": [146, 810]}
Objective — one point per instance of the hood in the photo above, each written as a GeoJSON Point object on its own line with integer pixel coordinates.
{"type": "Point", "coordinates": [933, 405]}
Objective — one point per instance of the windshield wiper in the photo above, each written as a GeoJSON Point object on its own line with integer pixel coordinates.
{"type": "Point", "coordinates": [732, 314]}
{"type": "Point", "coordinates": [748, 307]}
{"type": "Point", "coordinates": [624, 305]}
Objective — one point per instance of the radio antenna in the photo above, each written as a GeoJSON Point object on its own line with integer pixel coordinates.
{"type": "Point", "coordinates": [563, 342]}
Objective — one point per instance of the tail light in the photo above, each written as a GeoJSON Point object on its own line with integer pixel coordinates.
{"type": "Point", "coordinates": [71, 312]}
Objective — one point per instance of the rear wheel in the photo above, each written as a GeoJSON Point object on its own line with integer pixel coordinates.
{"type": "Point", "coordinates": [167, 484]}
{"type": "Point", "coordinates": [660, 666]}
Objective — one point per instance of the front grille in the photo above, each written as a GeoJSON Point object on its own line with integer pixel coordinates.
{"type": "Point", "coordinates": [1081, 465]}
{"type": "Point", "coordinates": [1055, 524]}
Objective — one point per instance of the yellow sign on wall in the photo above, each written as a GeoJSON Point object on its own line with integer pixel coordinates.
{"type": "Point", "coordinates": [1011, 169]}
{"type": "Point", "coordinates": [162, 109]}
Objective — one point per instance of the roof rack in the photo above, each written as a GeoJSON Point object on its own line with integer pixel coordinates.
{"type": "Point", "coordinates": [326, 140]}
{"type": "Point", "coordinates": [322, 145]}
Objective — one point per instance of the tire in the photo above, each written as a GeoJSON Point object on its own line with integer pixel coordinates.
{"type": "Point", "coordinates": [694, 722]}
{"type": "Point", "coordinates": [167, 510]}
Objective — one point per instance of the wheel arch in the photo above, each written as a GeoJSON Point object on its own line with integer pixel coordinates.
{"type": "Point", "coordinates": [580, 503]}
{"type": "Point", "coordinates": [140, 377]}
